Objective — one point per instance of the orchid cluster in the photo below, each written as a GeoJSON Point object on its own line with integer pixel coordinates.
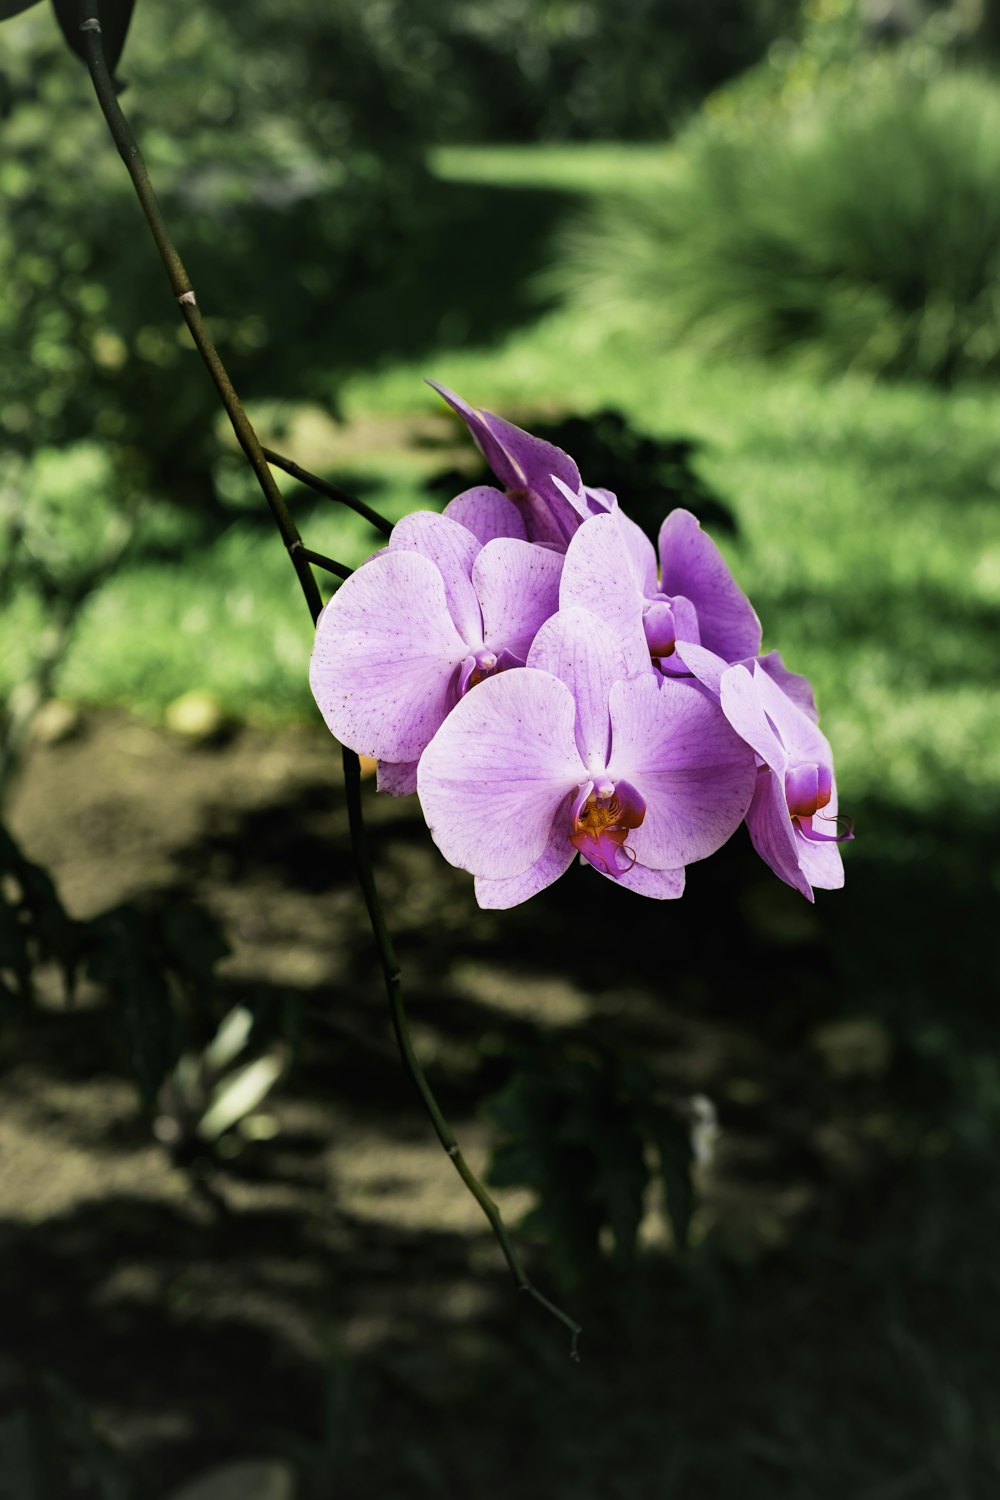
{"type": "Point", "coordinates": [553, 688]}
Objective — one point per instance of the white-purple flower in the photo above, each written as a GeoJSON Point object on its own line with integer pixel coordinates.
{"type": "Point", "coordinates": [639, 775]}
{"type": "Point", "coordinates": [418, 625]}
{"type": "Point", "coordinates": [792, 819]}
{"type": "Point", "coordinates": [545, 498]}
{"type": "Point", "coordinates": [692, 599]}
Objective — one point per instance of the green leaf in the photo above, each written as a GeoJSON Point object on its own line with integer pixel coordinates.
{"type": "Point", "coordinates": [126, 959]}
{"type": "Point", "coordinates": [10, 8]}
{"type": "Point", "coordinates": [114, 17]}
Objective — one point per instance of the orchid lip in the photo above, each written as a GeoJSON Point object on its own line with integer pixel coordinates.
{"type": "Point", "coordinates": [602, 814]}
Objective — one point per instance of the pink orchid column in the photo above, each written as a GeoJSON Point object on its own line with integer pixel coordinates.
{"type": "Point", "coordinates": [638, 776]}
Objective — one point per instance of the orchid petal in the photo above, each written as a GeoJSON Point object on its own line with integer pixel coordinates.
{"type": "Point", "coordinates": [792, 684]}
{"type": "Point", "coordinates": [692, 565]}
{"type": "Point", "coordinates": [703, 665]}
{"type": "Point", "coordinates": [673, 743]}
{"type": "Point", "coordinates": [802, 739]}
{"type": "Point", "coordinates": [453, 549]}
{"type": "Point", "coordinates": [599, 574]}
{"type": "Point", "coordinates": [641, 551]}
{"type": "Point", "coordinates": [661, 885]}
{"type": "Point", "coordinates": [397, 778]}
{"type": "Point", "coordinates": [743, 707]}
{"type": "Point", "coordinates": [385, 655]}
{"type": "Point", "coordinates": [486, 512]}
{"type": "Point", "coordinates": [772, 833]}
{"type": "Point", "coordinates": [517, 584]}
{"type": "Point", "coordinates": [582, 652]}
{"type": "Point", "coordinates": [495, 773]}
{"type": "Point", "coordinates": [555, 860]}
{"type": "Point", "coordinates": [821, 864]}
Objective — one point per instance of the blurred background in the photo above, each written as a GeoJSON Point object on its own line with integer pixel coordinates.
{"type": "Point", "coordinates": [743, 257]}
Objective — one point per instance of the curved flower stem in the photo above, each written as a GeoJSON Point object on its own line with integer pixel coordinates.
{"type": "Point", "coordinates": [332, 491]}
{"type": "Point", "coordinates": [319, 560]}
{"type": "Point", "coordinates": [394, 990]}
{"type": "Point", "coordinates": [301, 558]}
{"type": "Point", "coordinates": [180, 284]}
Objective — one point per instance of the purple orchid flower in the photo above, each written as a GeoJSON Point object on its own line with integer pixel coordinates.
{"type": "Point", "coordinates": [639, 775]}
{"type": "Point", "coordinates": [546, 499]}
{"type": "Point", "coordinates": [418, 625]}
{"type": "Point", "coordinates": [793, 816]}
{"type": "Point", "coordinates": [693, 600]}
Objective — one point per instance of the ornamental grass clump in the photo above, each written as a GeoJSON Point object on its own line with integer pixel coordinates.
{"type": "Point", "coordinates": [859, 229]}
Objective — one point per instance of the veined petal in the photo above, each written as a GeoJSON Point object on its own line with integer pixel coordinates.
{"type": "Point", "coordinates": [385, 654]}
{"type": "Point", "coordinates": [661, 885]}
{"type": "Point", "coordinates": [555, 859]}
{"type": "Point", "coordinates": [772, 834]}
{"type": "Point", "coordinates": [792, 684]}
{"type": "Point", "coordinates": [703, 665]}
{"type": "Point", "coordinates": [692, 565]}
{"type": "Point", "coordinates": [494, 775]}
{"type": "Point", "coordinates": [600, 575]}
{"type": "Point", "coordinates": [397, 778]}
{"type": "Point", "coordinates": [517, 584]}
{"type": "Point", "coordinates": [674, 744]}
{"type": "Point", "coordinates": [743, 706]}
{"type": "Point", "coordinates": [453, 549]}
{"type": "Point", "coordinates": [821, 864]}
{"type": "Point", "coordinates": [519, 460]}
{"type": "Point", "coordinates": [641, 551]}
{"type": "Point", "coordinates": [487, 513]}
{"type": "Point", "coordinates": [802, 739]}
{"type": "Point", "coordinates": [582, 652]}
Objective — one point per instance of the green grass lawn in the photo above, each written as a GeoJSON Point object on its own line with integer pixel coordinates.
{"type": "Point", "coordinates": [868, 539]}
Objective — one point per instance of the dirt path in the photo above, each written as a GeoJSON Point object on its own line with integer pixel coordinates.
{"type": "Point", "coordinates": [192, 1334]}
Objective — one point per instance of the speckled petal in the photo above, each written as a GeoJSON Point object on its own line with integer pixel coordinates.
{"type": "Point", "coordinates": [674, 744]}
{"type": "Point", "coordinates": [582, 652]}
{"type": "Point", "coordinates": [555, 860]}
{"type": "Point", "coordinates": [385, 654]}
{"type": "Point", "coordinates": [487, 513]}
{"type": "Point", "coordinates": [453, 549]}
{"type": "Point", "coordinates": [497, 770]}
{"type": "Point", "coordinates": [517, 585]}
{"type": "Point", "coordinates": [601, 574]}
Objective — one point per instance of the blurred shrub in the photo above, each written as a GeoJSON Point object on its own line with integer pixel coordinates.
{"type": "Point", "coordinates": [568, 69]}
{"type": "Point", "coordinates": [287, 174]}
{"type": "Point", "coordinates": [589, 1132]}
{"type": "Point", "coordinates": [862, 228]}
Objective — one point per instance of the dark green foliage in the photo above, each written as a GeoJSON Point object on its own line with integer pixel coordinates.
{"type": "Point", "coordinates": [34, 926]}
{"type": "Point", "coordinates": [48, 1440]}
{"type": "Point", "coordinates": [652, 475]}
{"type": "Point", "coordinates": [158, 969]}
{"type": "Point", "coordinates": [94, 347]}
{"type": "Point", "coordinates": [862, 230]}
{"type": "Point", "coordinates": [10, 8]}
{"type": "Point", "coordinates": [574, 69]}
{"type": "Point", "coordinates": [579, 1126]}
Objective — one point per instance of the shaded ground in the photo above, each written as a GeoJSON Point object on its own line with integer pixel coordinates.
{"type": "Point", "coordinates": [332, 1294]}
